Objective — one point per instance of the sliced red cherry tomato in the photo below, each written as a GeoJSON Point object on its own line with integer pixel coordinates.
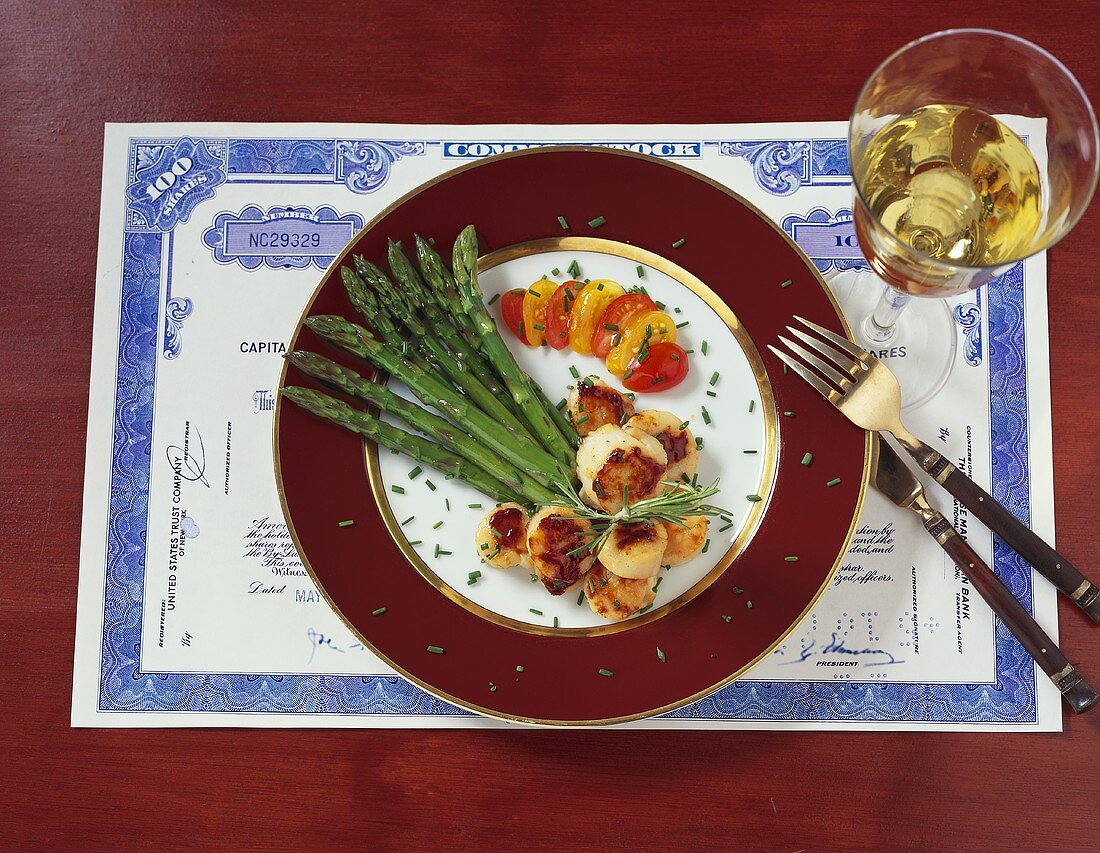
{"type": "Point", "coordinates": [558, 311]}
{"type": "Point", "coordinates": [615, 317]}
{"type": "Point", "coordinates": [511, 311]}
{"type": "Point", "coordinates": [535, 302]}
{"type": "Point", "coordinates": [665, 366]}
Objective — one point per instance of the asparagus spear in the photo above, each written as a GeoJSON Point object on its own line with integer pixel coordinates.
{"type": "Point", "coordinates": [519, 383]}
{"type": "Point", "coordinates": [420, 449]}
{"type": "Point", "coordinates": [386, 297]}
{"type": "Point", "coordinates": [524, 453]}
{"type": "Point", "coordinates": [435, 427]}
{"type": "Point", "coordinates": [459, 337]}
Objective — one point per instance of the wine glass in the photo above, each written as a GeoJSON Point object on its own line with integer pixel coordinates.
{"type": "Point", "coordinates": [952, 188]}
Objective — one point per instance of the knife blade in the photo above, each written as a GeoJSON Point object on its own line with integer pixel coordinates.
{"type": "Point", "coordinates": [897, 482]}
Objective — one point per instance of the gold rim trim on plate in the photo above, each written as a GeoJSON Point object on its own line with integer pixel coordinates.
{"type": "Point", "coordinates": [764, 486]}
{"type": "Point", "coordinates": [473, 706]}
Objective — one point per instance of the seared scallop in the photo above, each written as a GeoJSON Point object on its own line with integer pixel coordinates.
{"type": "Point", "coordinates": [613, 597]}
{"type": "Point", "coordinates": [501, 537]}
{"type": "Point", "coordinates": [634, 550]}
{"type": "Point", "coordinates": [610, 460]}
{"type": "Point", "coordinates": [685, 542]}
{"type": "Point", "coordinates": [675, 438]}
{"type": "Point", "coordinates": [593, 404]}
{"type": "Point", "coordinates": [553, 535]}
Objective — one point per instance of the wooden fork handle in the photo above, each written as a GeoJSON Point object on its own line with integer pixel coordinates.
{"type": "Point", "coordinates": [1023, 626]}
{"type": "Point", "coordinates": [1048, 562]}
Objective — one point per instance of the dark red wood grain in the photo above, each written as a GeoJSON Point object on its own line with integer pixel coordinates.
{"type": "Point", "coordinates": [65, 68]}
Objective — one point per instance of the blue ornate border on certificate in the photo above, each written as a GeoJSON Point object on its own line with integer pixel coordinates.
{"type": "Point", "coordinates": [124, 686]}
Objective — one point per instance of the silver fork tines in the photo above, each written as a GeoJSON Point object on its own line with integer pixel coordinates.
{"type": "Point", "coordinates": [861, 355]}
{"type": "Point", "coordinates": [830, 394]}
{"type": "Point", "coordinates": [852, 368]}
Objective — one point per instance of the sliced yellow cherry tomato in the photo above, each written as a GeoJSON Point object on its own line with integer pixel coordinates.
{"type": "Point", "coordinates": [649, 328]}
{"type": "Point", "coordinates": [587, 310]}
{"type": "Point", "coordinates": [534, 311]}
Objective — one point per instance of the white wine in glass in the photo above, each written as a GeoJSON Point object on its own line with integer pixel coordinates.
{"type": "Point", "coordinates": [947, 195]}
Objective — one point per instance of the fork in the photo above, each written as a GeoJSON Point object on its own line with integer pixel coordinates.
{"type": "Point", "coordinates": [867, 392]}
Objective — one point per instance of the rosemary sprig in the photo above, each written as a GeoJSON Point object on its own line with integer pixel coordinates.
{"type": "Point", "coordinates": [681, 501]}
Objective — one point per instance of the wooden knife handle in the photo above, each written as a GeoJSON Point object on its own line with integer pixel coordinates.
{"type": "Point", "coordinates": [1048, 562]}
{"type": "Point", "coordinates": [1023, 626]}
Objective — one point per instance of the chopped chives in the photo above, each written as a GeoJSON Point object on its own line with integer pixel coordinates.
{"type": "Point", "coordinates": [698, 442]}
{"type": "Point", "coordinates": [659, 579]}
{"type": "Point", "coordinates": [676, 310]}
{"type": "Point", "coordinates": [347, 523]}
{"type": "Point", "coordinates": [737, 590]}
{"type": "Point", "coordinates": [752, 405]}
{"type": "Point", "coordinates": [447, 503]}
{"type": "Point", "coordinates": [681, 325]}
{"type": "Point", "coordinates": [415, 472]}
{"type": "Point", "coordinates": [641, 271]}
{"type": "Point", "coordinates": [660, 305]}
{"type": "Point", "coordinates": [714, 379]}
{"type": "Point", "coordinates": [748, 604]}
{"type": "Point", "coordinates": [725, 518]}
{"type": "Point", "coordinates": [484, 546]}
{"type": "Point", "coordinates": [581, 419]}
{"type": "Point", "coordinates": [437, 525]}
{"type": "Point", "coordinates": [443, 553]}
{"type": "Point", "coordinates": [833, 482]}
{"type": "Point", "coordinates": [784, 367]}
{"type": "Point", "coordinates": [679, 243]}
{"type": "Point", "coordinates": [474, 506]}
{"type": "Point", "coordinates": [378, 612]}
{"type": "Point", "coordinates": [628, 374]}
{"type": "Point", "coordinates": [711, 394]}
{"type": "Point", "coordinates": [534, 578]}
{"type": "Point", "coordinates": [644, 609]}
{"type": "Point", "coordinates": [660, 655]}
{"type": "Point", "coordinates": [598, 286]}
{"type": "Point", "coordinates": [706, 547]}
{"type": "Point", "coordinates": [556, 271]}
{"type": "Point", "coordinates": [754, 498]}
{"type": "Point", "coordinates": [684, 425]}
{"type": "Point", "coordinates": [611, 327]}
{"type": "Point", "coordinates": [471, 581]}
{"type": "Point", "coordinates": [724, 528]}
{"type": "Point", "coordinates": [416, 542]}
{"type": "Point", "coordinates": [704, 347]}
{"type": "Point", "coordinates": [575, 373]}
{"type": "Point", "coordinates": [706, 415]}
{"type": "Point", "coordinates": [435, 650]}
{"type": "Point", "coordinates": [561, 404]}
{"type": "Point", "coordinates": [494, 298]}
{"type": "Point", "coordinates": [574, 268]}
{"type": "Point", "coordinates": [606, 673]}
{"type": "Point", "coordinates": [786, 283]}
{"type": "Point", "coordinates": [749, 452]}
{"type": "Point", "coordinates": [791, 559]}
{"type": "Point", "coordinates": [788, 414]}
{"type": "Point", "coordinates": [492, 687]}
{"type": "Point", "coordinates": [807, 459]}
{"type": "Point", "coordinates": [726, 617]}
{"type": "Point", "coordinates": [539, 326]}
{"type": "Point", "coordinates": [597, 222]}
{"type": "Point", "coordinates": [580, 598]}
{"type": "Point", "coordinates": [519, 667]}
{"type": "Point", "coordinates": [407, 520]}
{"type": "Point", "coordinates": [430, 484]}
{"type": "Point", "coordinates": [536, 612]}
{"type": "Point", "coordinates": [564, 225]}
{"type": "Point", "coordinates": [555, 621]}
{"type": "Point", "coordinates": [519, 329]}
{"type": "Point", "coordinates": [398, 489]}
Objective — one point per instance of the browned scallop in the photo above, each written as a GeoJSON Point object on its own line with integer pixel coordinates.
{"type": "Point", "coordinates": [634, 550]}
{"type": "Point", "coordinates": [592, 404]}
{"type": "Point", "coordinates": [675, 438]}
{"type": "Point", "coordinates": [501, 537]}
{"type": "Point", "coordinates": [610, 461]}
{"type": "Point", "coordinates": [553, 534]}
{"type": "Point", "coordinates": [685, 542]}
{"type": "Point", "coordinates": [616, 598]}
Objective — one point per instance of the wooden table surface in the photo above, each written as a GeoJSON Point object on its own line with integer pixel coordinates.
{"type": "Point", "coordinates": [66, 68]}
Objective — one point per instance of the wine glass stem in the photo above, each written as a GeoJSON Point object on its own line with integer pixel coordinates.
{"type": "Point", "coordinates": [881, 325]}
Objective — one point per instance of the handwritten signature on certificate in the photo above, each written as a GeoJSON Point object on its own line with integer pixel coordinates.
{"type": "Point", "coordinates": [836, 646]}
{"type": "Point", "coordinates": [189, 463]}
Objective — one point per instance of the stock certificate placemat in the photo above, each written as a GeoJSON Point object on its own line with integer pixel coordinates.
{"type": "Point", "coordinates": [194, 609]}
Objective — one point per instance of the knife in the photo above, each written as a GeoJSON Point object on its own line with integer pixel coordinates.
{"type": "Point", "coordinates": [894, 479]}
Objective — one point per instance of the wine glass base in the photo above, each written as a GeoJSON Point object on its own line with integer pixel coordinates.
{"type": "Point", "coordinates": [921, 352]}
